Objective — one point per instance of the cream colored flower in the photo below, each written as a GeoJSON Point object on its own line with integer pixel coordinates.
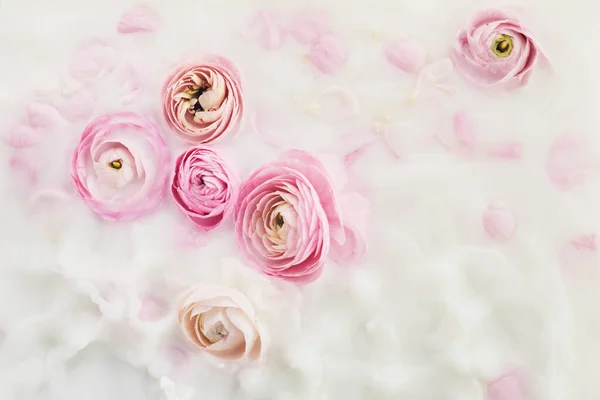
{"type": "Point", "coordinates": [222, 322]}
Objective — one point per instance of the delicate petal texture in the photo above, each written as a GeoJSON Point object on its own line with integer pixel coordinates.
{"type": "Point", "coordinates": [266, 28]}
{"type": "Point", "coordinates": [506, 150]}
{"type": "Point", "coordinates": [508, 387]}
{"type": "Point", "coordinates": [78, 106]}
{"type": "Point", "coordinates": [286, 217]}
{"type": "Point", "coordinates": [355, 209]}
{"type": "Point", "coordinates": [498, 221]}
{"type": "Point", "coordinates": [23, 136]}
{"type": "Point", "coordinates": [204, 187]}
{"type": "Point", "coordinates": [407, 54]}
{"type": "Point", "coordinates": [495, 48]}
{"type": "Point", "coordinates": [567, 164]}
{"type": "Point", "coordinates": [221, 322]}
{"type": "Point", "coordinates": [328, 54]}
{"type": "Point", "coordinates": [464, 131]}
{"type": "Point", "coordinates": [308, 26]}
{"type": "Point", "coordinates": [141, 18]}
{"type": "Point", "coordinates": [120, 166]}
{"type": "Point", "coordinates": [203, 100]}
{"type": "Point", "coordinates": [92, 59]}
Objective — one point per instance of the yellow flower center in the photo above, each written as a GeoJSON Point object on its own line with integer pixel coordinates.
{"type": "Point", "coordinates": [503, 46]}
{"type": "Point", "coordinates": [116, 164]}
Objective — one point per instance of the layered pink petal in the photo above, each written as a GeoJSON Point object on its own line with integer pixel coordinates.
{"type": "Point", "coordinates": [120, 166]}
{"type": "Point", "coordinates": [202, 99]}
{"type": "Point", "coordinates": [355, 209]}
{"type": "Point", "coordinates": [286, 217]}
{"type": "Point", "coordinates": [475, 60]}
{"type": "Point", "coordinates": [204, 186]}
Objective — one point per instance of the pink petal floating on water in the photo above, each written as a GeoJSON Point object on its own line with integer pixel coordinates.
{"type": "Point", "coordinates": [464, 131]}
{"type": "Point", "coordinates": [568, 163]}
{"type": "Point", "coordinates": [141, 18]}
{"type": "Point", "coordinates": [79, 106]}
{"type": "Point", "coordinates": [407, 54]}
{"type": "Point", "coordinates": [92, 59]}
{"type": "Point", "coordinates": [506, 150]}
{"type": "Point", "coordinates": [23, 136]}
{"type": "Point", "coordinates": [499, 221]}
{"type": "Point", "coordinates": [508, 387]}
{"type": "Point", "coordinates": [266, 29]}
{"type": "Point", "coordinates": [307, 26]}
{"type": "Point", "coordinates": [328, 54]}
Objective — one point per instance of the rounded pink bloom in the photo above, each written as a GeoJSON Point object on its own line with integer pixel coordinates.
{"type": "Point", "coordinates": [203, 186]}
{"type": "Point", "coordinates": [494, 48]}
{"type": "Point", "coordinates": [203, 100]}
{"type": "Point", "coordinates": [221, 322]}
{"type": "Point", "coordinates": [120, 166]}
{"type": "Point", "coordinates": [286, 217]}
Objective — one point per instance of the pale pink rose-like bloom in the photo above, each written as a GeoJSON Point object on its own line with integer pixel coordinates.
{"type": "Point", "coordinates": [328, 54]}
{"type": "Point", "coordinates": [287, 219]}
{"type": "Point", "coordinates": [120, 166]}
{"type": "Point", "coordinates": [203, 100]}
{"type": "Point", "coordinates": [204, 187]}
{"type": "Point", "coordinates": [495, 48]}
{"type": "Point", "coordinates": [221, 322]}
{"type": "Point", "coordinates": [407, 54]}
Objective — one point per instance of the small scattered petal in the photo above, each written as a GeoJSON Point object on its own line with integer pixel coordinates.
{"type": "Point", "coordinates": [499, 222]}
{"type": "Point", "coordinates": [328, 54]}
{"type": "Point", "coordinates": [23, 136]}
{"type": "Point", "coordinates": [506, 150]}
{"type": "Point", "coordinates": [407, 54]}
{"type": "Point", "coordinates": [266, 29]}
{"type": "Point", "coordinates": [508, 387]}
{"type": "Point", "coordinates": [92, 59]}
{"type": "Point", "coordinates": [308, 26]}
{"type": "Point", "coordinates": [464, 131]}
{"type": "Point", "coordinates": [568, 163]}
{"type": "Point", "coordinates": [355, 211]}
{"type": "Point", "coordinates": [141, 18]}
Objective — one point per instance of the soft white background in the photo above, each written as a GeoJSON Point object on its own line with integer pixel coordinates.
{"type": "Point", "coordinates": [435, 311]}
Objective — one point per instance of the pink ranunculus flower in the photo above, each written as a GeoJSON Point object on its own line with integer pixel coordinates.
{"type": "Point", "coordinates": [202, 100]}
{"type": "Point", "coordinates": [120, 166]}
{"type": "Point", "coordinates": [203, 186]}
{"type": "Point", "coordinates": [221, 322]}
{"type": "Point", "coordinates": [287, 217]}
{"type": "Point", "coordinates": [495, 48]}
